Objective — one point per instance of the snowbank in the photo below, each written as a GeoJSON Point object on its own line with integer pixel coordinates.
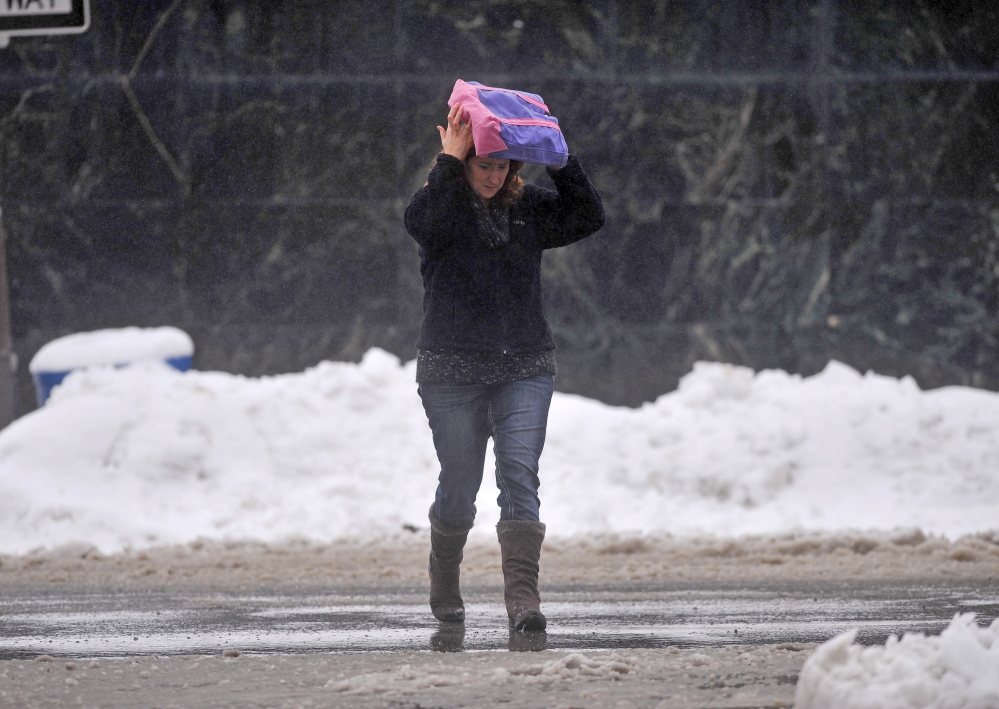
{"type": "Point", "coordinates": [148, 455]}
{"type": "Point", "coordinates": [957, 670]}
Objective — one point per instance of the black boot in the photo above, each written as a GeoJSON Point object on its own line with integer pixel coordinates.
{"type": "Point", "coordinates": [520, 543]}
{"type": "Point", "coordinates": [446, 545]}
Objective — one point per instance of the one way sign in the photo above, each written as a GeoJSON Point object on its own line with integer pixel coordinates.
{"type": "Point", "coordinates": [34, 17]}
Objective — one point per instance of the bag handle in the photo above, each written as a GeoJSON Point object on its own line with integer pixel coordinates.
{"type": "Point", "coordinates": [530, 122]}
{"type": "Point", "coordinates": [524, 97]}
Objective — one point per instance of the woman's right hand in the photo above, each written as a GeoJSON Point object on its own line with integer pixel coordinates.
{"type": "Point", "coordinates": [456, 139]}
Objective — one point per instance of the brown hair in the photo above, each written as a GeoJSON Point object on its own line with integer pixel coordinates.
{"type": "Point", "coordinates": [513, 185]}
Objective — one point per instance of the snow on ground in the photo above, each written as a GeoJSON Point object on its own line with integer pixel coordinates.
{"type": "Point", "coordinates": [147, 455]}
{"type": "Point", "coordinates": [957, 670]}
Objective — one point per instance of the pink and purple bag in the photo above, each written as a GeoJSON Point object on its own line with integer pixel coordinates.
{"type": "Point", "coordinates": [511, 124]}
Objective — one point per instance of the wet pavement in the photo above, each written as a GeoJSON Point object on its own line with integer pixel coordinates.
{"type": "Point", "coordinates": [170, 623]}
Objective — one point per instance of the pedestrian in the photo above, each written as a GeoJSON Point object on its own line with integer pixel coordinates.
{"type": "Point", "coordinates": [485, 361]}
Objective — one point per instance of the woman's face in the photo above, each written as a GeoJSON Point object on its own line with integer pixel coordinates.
{"type": "Point", "coordinates": [486, 175]}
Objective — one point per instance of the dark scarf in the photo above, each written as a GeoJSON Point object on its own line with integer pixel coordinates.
{"type": "Point", "coordinates": [493, 222]}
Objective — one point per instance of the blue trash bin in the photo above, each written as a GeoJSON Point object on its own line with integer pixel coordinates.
{"type": "Point", "coordinates": [116, 347]}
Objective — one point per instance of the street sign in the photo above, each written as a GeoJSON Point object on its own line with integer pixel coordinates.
{"type": "Point", "coordinates": [35, 17]}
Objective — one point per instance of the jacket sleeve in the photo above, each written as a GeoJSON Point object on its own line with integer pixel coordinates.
{"type": "Point", "coordinates": [430, 216]}
{"type": "Point", "coordinates": [571, 213]}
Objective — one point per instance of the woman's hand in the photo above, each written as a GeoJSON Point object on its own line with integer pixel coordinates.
{"type": "Point", "coordinates": [456, 139]}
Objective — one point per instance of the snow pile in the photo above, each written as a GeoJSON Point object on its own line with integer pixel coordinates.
{"type": "Point", "coordinates": [567, 668]}
{"type": "Point", "coordinates": [148, 455]}
{"type": "Point", "coordinates": [117, 346]}
{"type": "Point", "coordinates": [733, 452]}
{"type": "Point", "coordinates": [572, 666]}
{"type": "Point", "coordinates": [957, 670]}
{"type": "Point", "coordinates": [403, 680]}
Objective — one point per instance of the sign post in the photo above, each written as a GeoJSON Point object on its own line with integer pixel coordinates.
{"type": "Point", "coordinates": [8, 360]}
{"type": "Point", "coordinates": [20, 18]}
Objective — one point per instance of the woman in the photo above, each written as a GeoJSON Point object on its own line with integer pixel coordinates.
{"type": "Point", "coordinates": [485, 363]}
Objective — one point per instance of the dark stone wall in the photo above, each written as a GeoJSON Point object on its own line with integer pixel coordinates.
{"type": "Point", "coordinates": [786, 181]}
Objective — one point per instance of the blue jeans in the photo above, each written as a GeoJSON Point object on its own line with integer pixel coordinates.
{"type": "Point", "coordinates": [462, 417]}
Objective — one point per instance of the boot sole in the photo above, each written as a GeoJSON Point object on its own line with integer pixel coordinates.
{"type": "Point", "coordinates": [450, 615]}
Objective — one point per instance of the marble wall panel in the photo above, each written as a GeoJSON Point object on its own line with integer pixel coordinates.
{"type": "Point", "coordinates": [662, 36]}
{"type": "Point", "coordinates": [34, 136]}
{"type": "Point", "coordinates": [901, 34]}
{"type": "Point", "coordinates": [136, 37]}
{"type": "Point", "coordinates": [302, 264]}
{"type": "Point", "coordinates": [935, 286]}
{"type": "Point", "coordinates": [308, 37]}
{"type": "Point", "coordinates": [916, 141]}
{"type": "Point", "coordinates": [82, 141]}
{"type": "Point", "coordinates": [293, 143]}
{"type": "Point", "coordinates": [695, 265]}
{"type": "Point", "coordinates": [690, 145]}
{"type": "Point", "coordinates": [79, 267]}
{"type": "Point", "coordinates": [119, 158]}
{"type": "Point", "coordinates": [476, 39]}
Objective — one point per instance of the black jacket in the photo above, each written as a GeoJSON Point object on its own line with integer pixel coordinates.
{"type": "Point", "coordinates": [489, 299]}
